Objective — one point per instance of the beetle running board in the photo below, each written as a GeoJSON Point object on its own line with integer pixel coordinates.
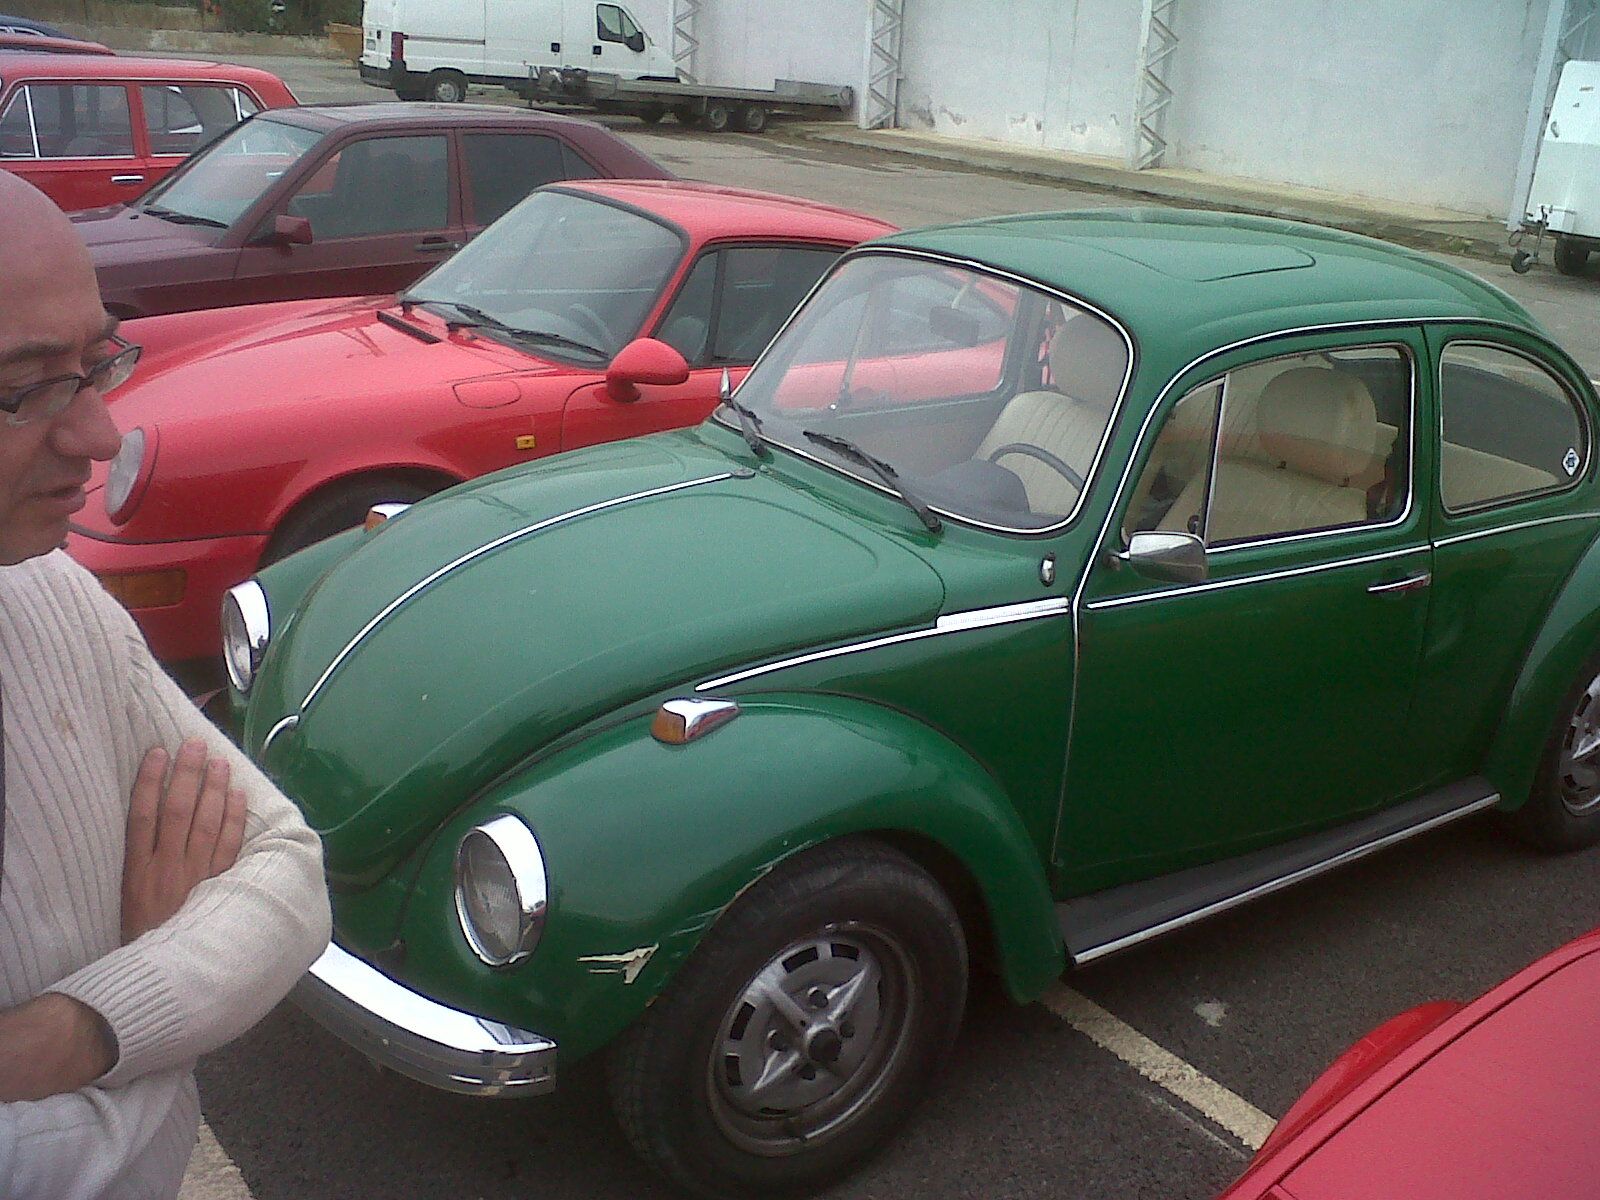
{"type": "Point", "coordinates": [1103, 923]}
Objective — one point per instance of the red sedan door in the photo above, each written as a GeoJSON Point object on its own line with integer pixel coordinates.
{"type": "Point", "coordinates": [77, 142]}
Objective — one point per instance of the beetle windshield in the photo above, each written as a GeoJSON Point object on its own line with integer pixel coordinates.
{"type": "Point", "coordinates": [988, 399]}
{"type": "Point", "coordinates": [561, 264]}
{"type": "Point", "coordinates": [220, 182]}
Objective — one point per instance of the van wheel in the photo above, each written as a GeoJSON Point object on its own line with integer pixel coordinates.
{"type": "Point", "coordinates": [1571, 255]}
{"type": "Point", "coordinates": [801, 1031]}
{"type": "Point", "coordinates": [716, 118]}
{"type": "Point", "coordinates": [753, 118]}
{"type": "Point", "coordinates": [1563, 812]}
{"type": "Point", "coordinates": [446, 87]}
{"type": "Point", "coordinates": [340, 507]}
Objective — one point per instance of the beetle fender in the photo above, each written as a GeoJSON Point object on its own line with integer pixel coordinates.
{"type": "Point", "coordinates": [646, 844]}
{"type": "Point", "coordinates": [1569, 636]}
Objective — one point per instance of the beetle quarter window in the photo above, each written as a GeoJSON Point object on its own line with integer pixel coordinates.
{"type": "Point", "coordinates": [1171, 491]}
{"type": "Point", "coordinates": [1308, 442]}
{"type": "Point", "coordinates": [1511, 429]}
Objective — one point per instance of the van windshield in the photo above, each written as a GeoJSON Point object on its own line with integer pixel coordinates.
{"type": "Point", "coordinates": [564, 264]}
{"type": "Point", "coordinates": [219, 183]}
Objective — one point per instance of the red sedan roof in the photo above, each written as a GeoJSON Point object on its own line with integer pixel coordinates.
{"type": "Point", "coordinates": [711, 210]}
{"type": "Point", "coordinates": [33, 43]}
{"type": "Point", "coordinates": [19, 64]}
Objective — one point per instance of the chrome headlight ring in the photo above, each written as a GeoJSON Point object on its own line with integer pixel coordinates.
{"type": "Point", "coordinates": [501, 890]}
{"type": "Point", "coordinates": [246, 630]}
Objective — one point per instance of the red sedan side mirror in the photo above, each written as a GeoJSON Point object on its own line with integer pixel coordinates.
{"type": "Point", "coordinates": [643, 360]}
{"type": "Point", "coordinates": [291, 231]}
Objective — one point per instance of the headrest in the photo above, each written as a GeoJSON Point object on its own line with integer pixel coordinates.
{"type": "Point", "coordinates": [1088, 359]}
{"type": "Point", "coordinates": [1319, 422]}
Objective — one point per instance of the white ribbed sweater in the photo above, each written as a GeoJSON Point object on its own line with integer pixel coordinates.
{"type": "Point", "coordinates": [83, 701]}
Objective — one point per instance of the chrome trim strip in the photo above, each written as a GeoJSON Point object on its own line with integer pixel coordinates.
{"type": "Point", "coordinates": [977, 618]}
{"type": "Point", "coordinates": [1032, 285]}
{"type": "Point", "coordinates": [519, 848]}
{"type": "Point", "coordinates": [1494, 529]}
{"type": "Point", "coordinates": [487, 548]}
{"type": "Point", "coordinates": [1212, 585]}
{"type": "Point", "coordinates": [283, 726]}
{"type": "Point", "coordinates": [1283, 881]}
{"type": "Point", "coordinates": [430, 1042]}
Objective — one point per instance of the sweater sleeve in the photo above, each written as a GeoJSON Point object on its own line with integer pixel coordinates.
{"type": "Point", "coordinates": [242, 939]}
{"type": "Point", "coordinates": [100, 1145]}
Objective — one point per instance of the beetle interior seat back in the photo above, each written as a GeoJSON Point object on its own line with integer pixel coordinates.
{"type": "Point", "coordinates": [1088, 362]}
{"type": "Point", "coordinates": [1315, 455]}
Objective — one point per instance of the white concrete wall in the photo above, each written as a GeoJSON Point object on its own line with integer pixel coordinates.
{"type": "Point", "coordinates": [1056, 74]}
{"type": "Point", "coordinates": [1416, 100]}
{"type": "Point", "coordinates": [751, 43]}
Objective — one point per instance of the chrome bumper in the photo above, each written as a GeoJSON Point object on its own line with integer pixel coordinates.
{"type": "Point", "coordinates": [428, 1041]}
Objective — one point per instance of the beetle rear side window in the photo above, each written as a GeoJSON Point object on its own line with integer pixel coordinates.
{"type": "Point", "coordinates": [1511, 429]}
{"type": "Point", "coordinates": [1307, 442]}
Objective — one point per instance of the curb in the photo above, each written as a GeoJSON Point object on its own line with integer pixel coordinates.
{"type": "Point", "coordinates": [1471, 241]}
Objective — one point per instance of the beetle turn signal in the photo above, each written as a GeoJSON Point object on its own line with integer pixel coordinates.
{"type": "Point", "coordinates": [379, 513]}
{"type": "Point", "coordinates": [678, 722]}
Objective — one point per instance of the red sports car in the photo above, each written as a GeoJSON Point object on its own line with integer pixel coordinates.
{"type": "Point", "coordinates": [592, 311]}
{"type": "Point", "coordinates": [94, 128]}
{"type": "Point", "coordinates": [1493, 1100]}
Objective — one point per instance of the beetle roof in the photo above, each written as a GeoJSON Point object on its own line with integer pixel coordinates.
{"type": "Point", "coordinates": [711, 210]}
{"type": "Point", "coordinates": [1196, 280]}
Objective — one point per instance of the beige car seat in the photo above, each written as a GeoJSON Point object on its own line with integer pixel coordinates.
{"type": "Point", "coordinates": [1088, 362]}
{"type": "Point", "coordinates": [1316, 452]}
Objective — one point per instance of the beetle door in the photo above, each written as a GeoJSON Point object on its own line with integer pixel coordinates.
{"type": "Point", "coordinates": [1269, 699]}
{"type": "Point", "coordinates": [1513, 515]}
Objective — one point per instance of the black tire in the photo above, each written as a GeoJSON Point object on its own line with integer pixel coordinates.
{"type": "Point", "coordinates": [1571, 255]}
{"type": "Point", "coordinates": [409, 93]}
{"type": "Point", "coordinates": [685, 114]}
{"type": "Point", "coordinates": [340, 507]}
{"type": "Point", "coordinates": [651, 114]}
{"type": "Point", "coordinates": [816, 928]}
{"type": "Point", "coordinates": [716, 118]}
{"type": "Point", "coordinates": [445, 87]}
{"type": "Point", "coordinates": [1563, 811]}
{"type": "Point", "coordinates": [1521, 261]}
{"type": "Point", "coordinates": [753, 118]}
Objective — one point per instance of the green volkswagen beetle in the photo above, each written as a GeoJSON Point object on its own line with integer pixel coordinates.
{"type": "Point", "coordinates": [1051, 582]}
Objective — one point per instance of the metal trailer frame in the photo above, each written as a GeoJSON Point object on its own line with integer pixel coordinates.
{"type": "Point", "coordinates": [715, 109]}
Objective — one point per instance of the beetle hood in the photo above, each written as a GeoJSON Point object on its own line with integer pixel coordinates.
{"type": "Point", "coordinates": [477, 627]}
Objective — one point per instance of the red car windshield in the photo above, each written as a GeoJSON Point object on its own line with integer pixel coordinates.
{"type": "Point", "coordinates": [223, 180]}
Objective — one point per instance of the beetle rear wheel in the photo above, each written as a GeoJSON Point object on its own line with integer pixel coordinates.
{"type": "Point", "coordinates": [1563, 813]}
{"type": "Point", "coordinates": [801, 1031]}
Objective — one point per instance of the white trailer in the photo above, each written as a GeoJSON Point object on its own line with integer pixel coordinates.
{"type": "Point", "coordinates": [436, 49]}
{"type": "Point", "coordinates": [1564, 199]}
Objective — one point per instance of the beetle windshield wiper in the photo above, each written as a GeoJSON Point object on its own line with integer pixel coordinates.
{"type": "Point", "coordinates": [749, 423]}
{"type": "Point", "coordinates": [477, 318]}
{"type": "Point", "coordinates": [845, 448]}
{"type": "Point", "coordinates": [182, 218]}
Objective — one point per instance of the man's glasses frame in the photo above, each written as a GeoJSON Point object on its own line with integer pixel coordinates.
{"type": "Point", "coordinates": [45, 399]}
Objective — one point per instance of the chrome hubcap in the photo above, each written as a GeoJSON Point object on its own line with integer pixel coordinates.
{"type": "Point", "coordinates": [1579, 776]}
{"type": "Point", "coordinates": [811, 1040]}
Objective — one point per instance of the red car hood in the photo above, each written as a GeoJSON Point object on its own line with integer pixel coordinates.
{"type": "Point", "coordinates": [1506, 1109]}
{"type": "Point", "coordinates": [123, 235]}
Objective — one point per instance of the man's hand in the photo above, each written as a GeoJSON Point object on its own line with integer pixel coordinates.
{"type": "Point", "coordinates": [182, 829]}
{"type": "Point", "coordinates": [50, 1045]}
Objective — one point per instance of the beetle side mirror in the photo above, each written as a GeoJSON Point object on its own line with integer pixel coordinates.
{"type": "Point", "coordinates": [286, 231]}
{"type": "Point", "coordinates": [1173, 557]}
{"type": "Point", "coordinates": [643, 360]}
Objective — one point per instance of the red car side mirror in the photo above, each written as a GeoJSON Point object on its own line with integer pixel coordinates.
{"type": "Point", "coordinates": [291, 231]}
{"type": "Point", "coordinates": [643, 360]}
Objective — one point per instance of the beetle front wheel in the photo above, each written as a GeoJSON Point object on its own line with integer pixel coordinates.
{"type": "Point", "coordinates": [801, 1031]}
{"type": "Point", "coordinates": [1563, 812]}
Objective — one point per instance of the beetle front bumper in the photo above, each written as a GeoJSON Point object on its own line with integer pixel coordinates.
{"type": "Point", "coordinates": [421, 1038]}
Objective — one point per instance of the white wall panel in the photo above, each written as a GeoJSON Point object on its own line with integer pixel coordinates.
{"type": "Point", "coordinates": [750, 43]}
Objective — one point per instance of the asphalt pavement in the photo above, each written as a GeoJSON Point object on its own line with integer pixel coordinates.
{"type": "Point", "coordinates": [1257, 1001]}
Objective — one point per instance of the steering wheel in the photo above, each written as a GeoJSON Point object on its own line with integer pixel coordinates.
{"type": "Point", "coordinates": [1044, 456]}
{"type": "Point", "coordinates": [594, 329]}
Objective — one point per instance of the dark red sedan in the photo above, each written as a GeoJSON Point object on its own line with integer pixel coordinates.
{"type": "Point", "coordinates": [591, 312]}
{"type": "Point", "coordinates": [1493, 1100]}
{"type": "Point", "coordinates": [336, 201]}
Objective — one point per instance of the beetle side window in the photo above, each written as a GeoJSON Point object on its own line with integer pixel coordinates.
{"type": "Point", "coordinates": [1307, 442]}
{"type": "Point", "coordinates": [502, 168]}
{"type": "Point", "coordinates": [79, 120]}
{"type": "Point", "coordinates": [1511, 429]}
{"type": "Point", "coordinates": [377, 186]}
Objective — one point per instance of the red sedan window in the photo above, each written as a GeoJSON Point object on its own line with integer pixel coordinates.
{"type": "Point", "coordinates": [67, 120]}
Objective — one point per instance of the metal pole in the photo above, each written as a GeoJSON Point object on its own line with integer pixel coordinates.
{"type": "Point", "coordinates": [880, 98]}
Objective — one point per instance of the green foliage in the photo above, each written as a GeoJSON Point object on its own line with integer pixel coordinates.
{"type": "Point", "coordinates": [247, 16]}
{"type": "Point", "coordinates": [299, 16]}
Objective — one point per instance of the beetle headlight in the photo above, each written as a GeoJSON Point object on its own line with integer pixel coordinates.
{"type": "Point", "coordinates": [129, 472]}
{"type": "Point", "coordinates": [500, 890]}
{"type": "Point", "coordinates": [246, 629]}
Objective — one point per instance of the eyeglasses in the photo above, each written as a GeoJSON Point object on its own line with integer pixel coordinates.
{"type": "Point", "coordinates": [43, 400]}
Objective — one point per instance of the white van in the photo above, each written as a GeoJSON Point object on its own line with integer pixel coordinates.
{"type": "Point", "coordinates": [432, 49]}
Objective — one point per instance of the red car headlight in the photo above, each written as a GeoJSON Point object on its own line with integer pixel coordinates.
{"type": "Point", "coordinates": [130, 474]}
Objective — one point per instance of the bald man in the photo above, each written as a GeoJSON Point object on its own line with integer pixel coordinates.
{"type": "Point", "coordinates": [157, 894]}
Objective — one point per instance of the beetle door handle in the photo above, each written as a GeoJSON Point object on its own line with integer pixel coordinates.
{"type": "Point", "coordinates": [432, 245]}
{"type": "Point", "coordinates": [1411, 583]}
{"type": "Point", "coordinates": [127, 180]}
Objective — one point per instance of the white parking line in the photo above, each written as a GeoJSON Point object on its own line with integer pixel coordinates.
{"type": "Point", "coordinates": [211, 1174]}
{"type": "Point", "coordinates": [1200, 1092]}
